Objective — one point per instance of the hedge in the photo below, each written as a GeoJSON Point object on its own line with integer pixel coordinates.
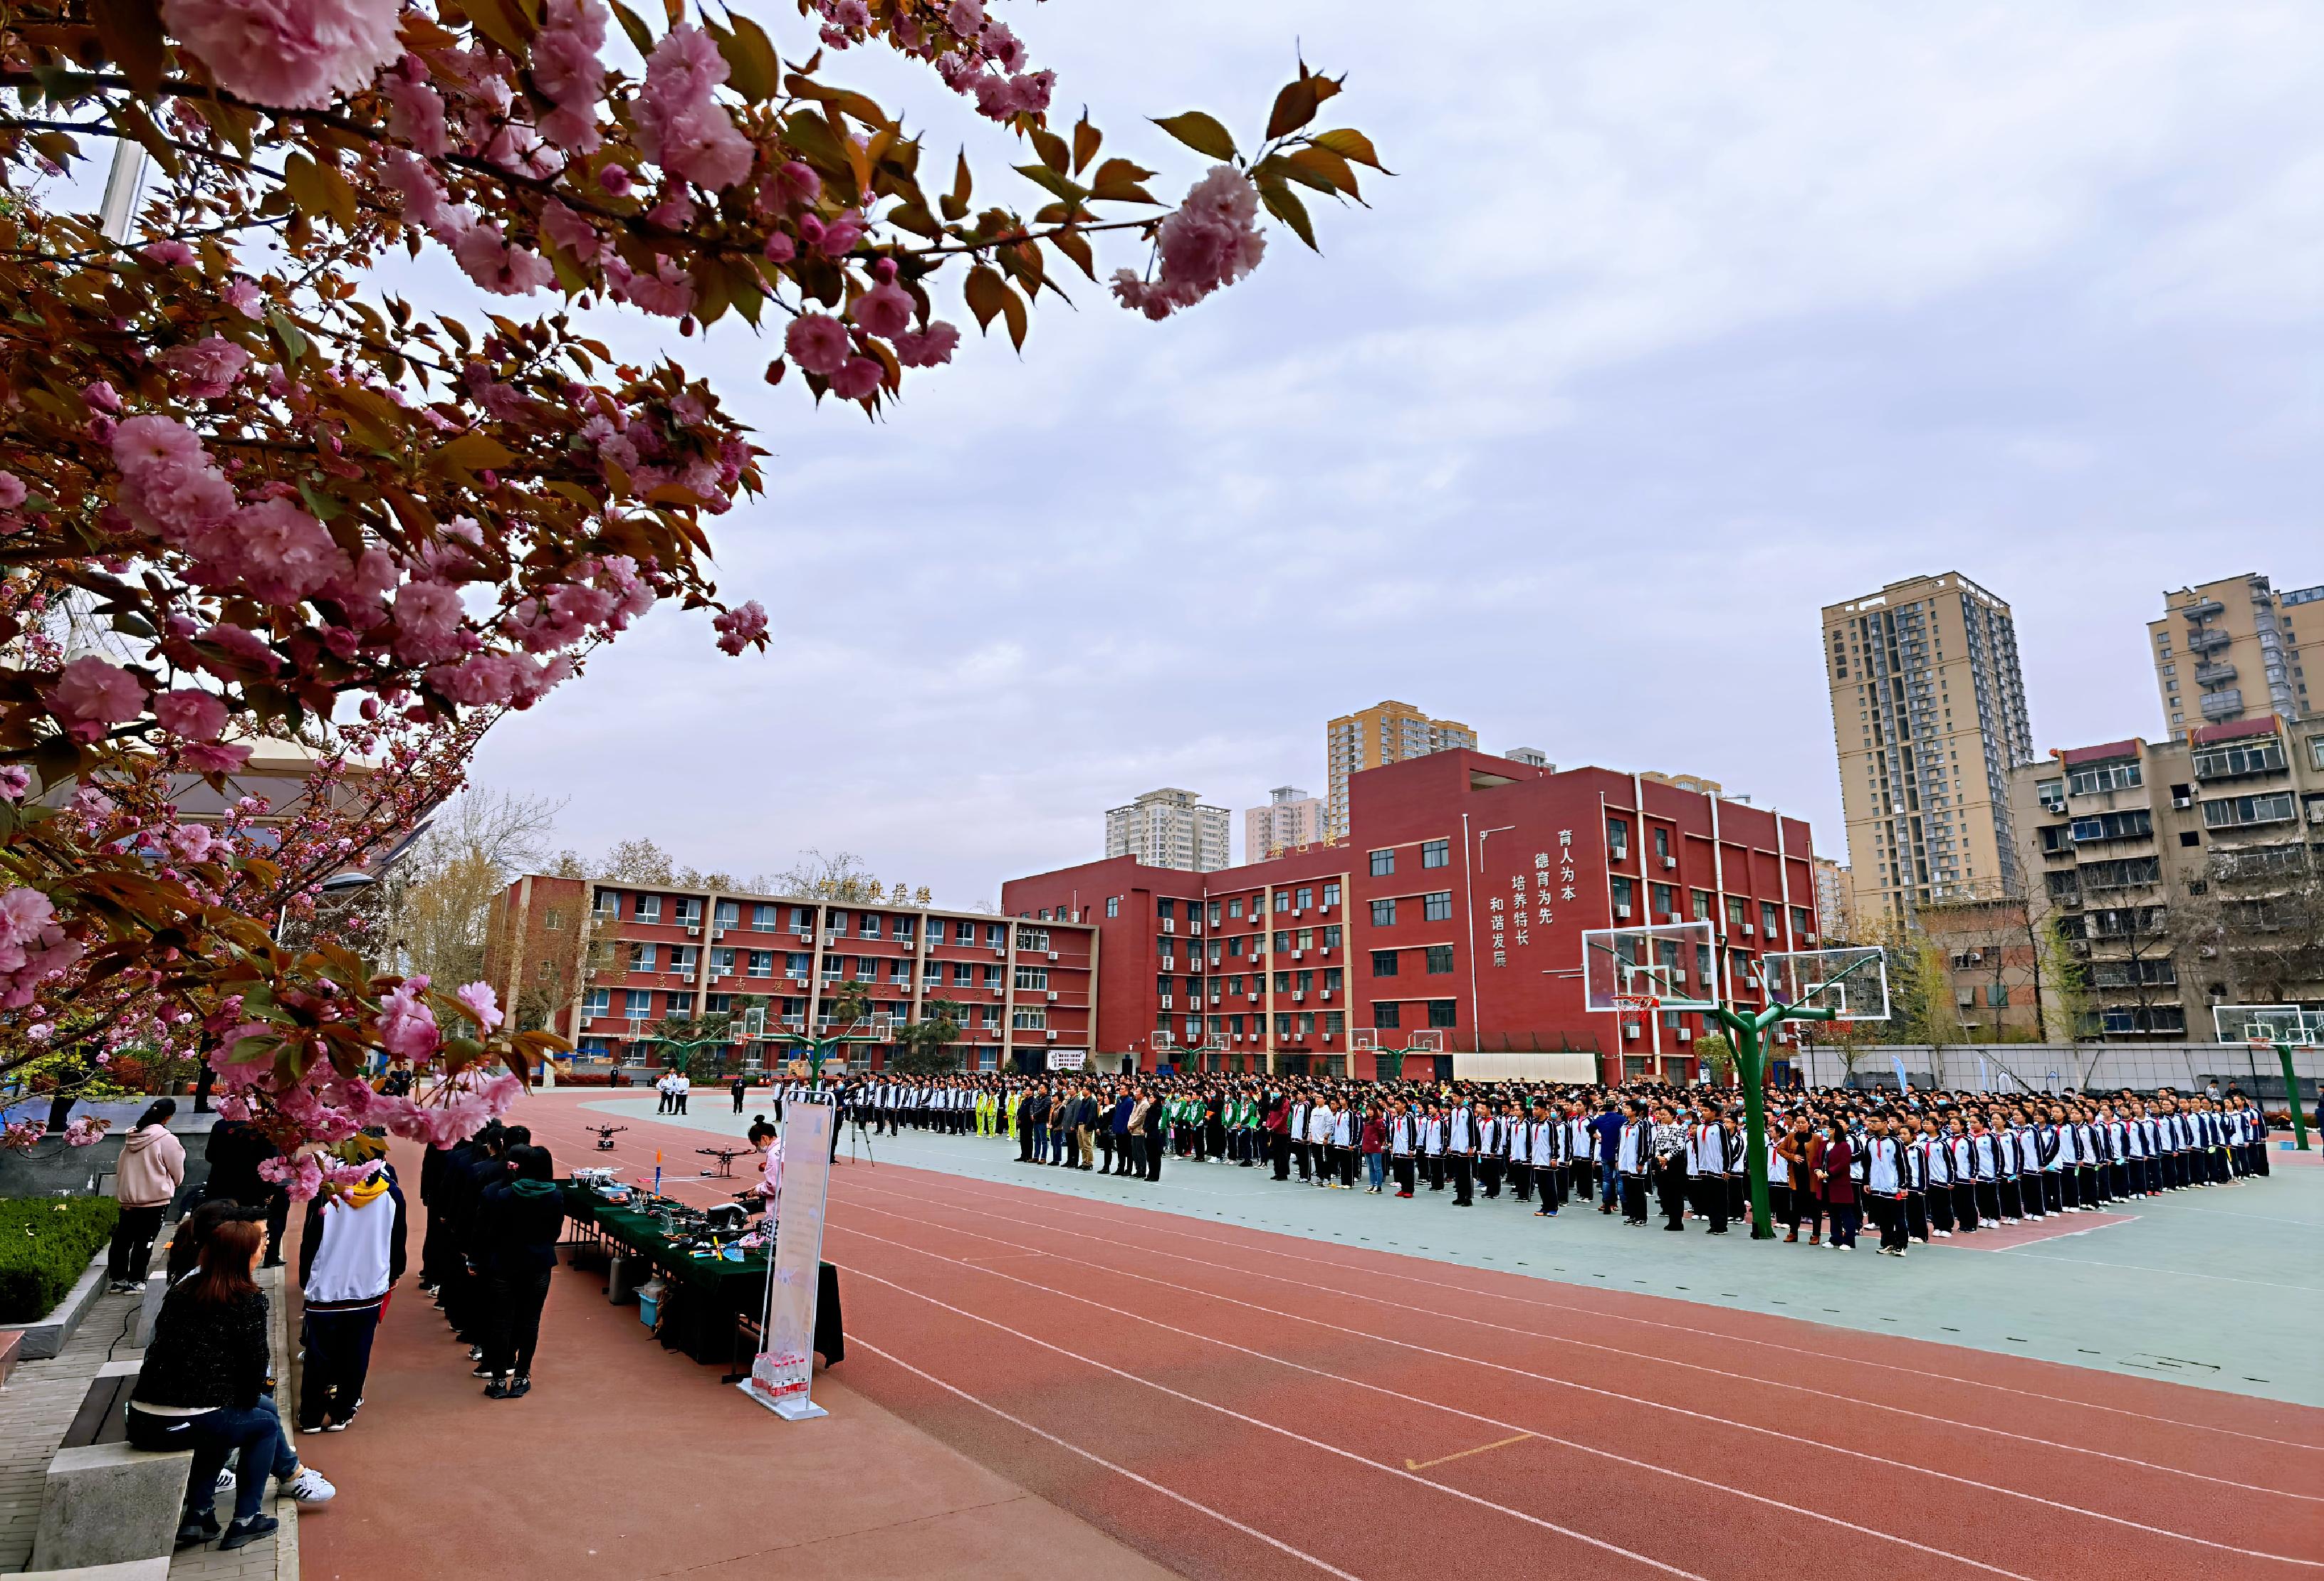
{"type": "Point", "coordinates": [45, 1247]}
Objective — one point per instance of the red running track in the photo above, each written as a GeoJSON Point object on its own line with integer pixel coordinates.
{"type": "Point", "coordinates": [1238, 1403]}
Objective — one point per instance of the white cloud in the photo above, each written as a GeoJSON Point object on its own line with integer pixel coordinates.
{"type": "Point", "coordinates": [1677, 322]}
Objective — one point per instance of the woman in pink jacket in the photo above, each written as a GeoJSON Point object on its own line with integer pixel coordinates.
{"type": "Point", "coordinates": [152, 1165]}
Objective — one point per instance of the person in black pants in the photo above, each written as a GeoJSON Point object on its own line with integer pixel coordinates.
{"type": "Point", "coordinates": [351, 1253]}
{"type": "Point", "coordinates": [235, 1149]}
{"type": "Point", "coordinates": [518, 1223]}
{"type": "Point", "coordinates": [741, 1090]}
{"type": "Point", "coordinates": [152, 1167]}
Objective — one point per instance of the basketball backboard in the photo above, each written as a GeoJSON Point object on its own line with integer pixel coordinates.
{"type": "Point", "coordinates": [1363, 1039]}
{"type": "Point", "coordinates": [1849, 979]}
{"type": "Point", "coordinates": [1161, 1041]}
{"type": "Point", "coordinates": [2268, 1023]}
{"type": "Point", "coordinates": [1675, 964]}
{"type": "Point", "coordinates": [1424, 1043]}
{"type": "Point", "coordinates": [882, 1026]}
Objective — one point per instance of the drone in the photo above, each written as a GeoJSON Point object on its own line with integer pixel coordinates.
{"type": "Point", "coordinates": [725, 1157]}
{"type": "Point", "coordinates": [605, 1135]}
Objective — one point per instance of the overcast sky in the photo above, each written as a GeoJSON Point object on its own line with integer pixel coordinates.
{"type": "Point", "coordinates": [1678, 323]}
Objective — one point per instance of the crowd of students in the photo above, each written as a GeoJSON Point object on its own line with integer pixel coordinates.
{"type": "Point", "coordinates": [1922, 1165]}
{"type": "Point", "coordinates": [494, 1214]}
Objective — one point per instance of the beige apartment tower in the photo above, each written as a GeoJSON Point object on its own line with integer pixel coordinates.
{"type": "Point", "coordinates": [1928, 712]}
{"type": "Point", "coordinates": [2230, 650]}
{"type": "Point", "coordinates": [1291, 818]}
{"type": "Point", "coordinates": [1386, 732]}
{"type": "Point", "coordinates": [1170, 828]}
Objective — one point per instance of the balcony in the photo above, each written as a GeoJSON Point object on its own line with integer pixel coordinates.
{"type": "Point", "coordinates": [2213, 675]}
{"type": "Point", "coordinates": [2207, 640]}
{"type": "Point", "coordinates": [2204, 608]}
{"type": "Point", "coordinates": [2223, 704]}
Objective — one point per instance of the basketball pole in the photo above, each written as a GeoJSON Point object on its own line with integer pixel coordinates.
{"type": "Point", "coordinates": [1749, 1033]}
{"type": "Point", "coordinates": [2292, 1096]}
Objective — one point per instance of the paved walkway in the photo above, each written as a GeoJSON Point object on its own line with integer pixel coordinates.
{"type": "Point", "coordinates": [37, 1404]}
{"type": "Point", "coordinates": [629, 1461]}
{"type": "Point", "coordinates": [2215, 1288]}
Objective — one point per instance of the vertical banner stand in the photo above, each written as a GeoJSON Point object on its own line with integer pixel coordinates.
{"type": "Point", "coordinates": [783, 1372]}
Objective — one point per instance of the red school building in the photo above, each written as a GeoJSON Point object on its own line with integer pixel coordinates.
{"type": "Point", "coordinates": [1456, 906]}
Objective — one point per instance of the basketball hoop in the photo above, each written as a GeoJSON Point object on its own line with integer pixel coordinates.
{"type": "Point", "coordinates": [1640, 1005]}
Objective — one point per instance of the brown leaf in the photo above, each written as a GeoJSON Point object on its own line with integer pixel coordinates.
{"type": "Point", "coordinates": [1329, 166]}
{"type": "Point", "coordinates": [1294, 107]}
{"type": "Point", "coordinates": [1086, 138]}
{"type": "Point", "coordinates": [1053, 150]}
{"type": "Point", "coordinates": [1351, 144]}
{"type": "Point", "coordinates": [1284, 204]}
{"type": "Point", "coordinates": [1201, 133]}
{"type": "Point", "coordinates": [986, 293]}
{"type": "Point", "coordinates": [131, 33]}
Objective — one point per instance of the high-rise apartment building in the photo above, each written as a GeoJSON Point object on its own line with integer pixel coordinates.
{"type": "Point", "coordinates": [1928, 712]}
{"type": "Point", "coordinates": [2230, 650]}
{"type": "Point", "coordinates": [1386, 732]}
{"type": "Point", "coordinates": [1169, 828]}
{"type": "Point", "coordinates": [1291, 818]}
{"type": "Point", "coordinates": [1835, 898]}
{"type": "Point", "coordinates": [1532, 756]}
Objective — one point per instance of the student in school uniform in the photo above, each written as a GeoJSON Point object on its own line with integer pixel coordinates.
{"type": "Point", "coordinates": [1735, 1142]}
{"type": "Point", "coordinates": [1633, 1162]}
{"type": "Point", "coordinates": [1461, 1137]}
{"type": "Point", "coordinates": [1887, 1179]}
{"type": "Point", "coordinates": [1902, 1131]}
{"type": "Point", "coordinates": [1669, 1142]}
{"type": "Point", "coordinates": [1706, 1168]}
{"type": "Point", "coordinates": [1936, 1172]}
{"type": "Point", "coordinates": [1543, 1137]}
{"type": "Point", "coordinates": [1431, 1145]}
{"type": "Point", "coordinates": [1403, 1144]}
{"type": "Point", "coordinates": [1798, 1146]}
{"type": "Point", "coordinates": [1834, 1163]}
{"type": "Point", "coordinates": [1345, 1127]}
{"type": "Point", "coordinates": [1492, 1149]}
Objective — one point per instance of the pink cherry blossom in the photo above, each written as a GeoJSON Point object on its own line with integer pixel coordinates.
{"type": "Point", "coordinates": [207, 368]}
{"type": "Point", "coordinates": [407, 1026]}
{"type": "Point", "coordinates": [781, 248]}
{"type": "Point", "coordinates": [568, 230]}
{"type": "Point", "coordinates": [283, 554]}
{"type": "Point", "coordinates": [567, 68]}
{"type": "Point", "coordinates": [192, 841]}
{"type": "Point", "coordinates": [617, 181]}
{"type": "Point", "coordinates": [499, 267]}
{"type": "Point", "coordinates": [428, 621]}
{"type": "Point", "coordinates": [425, 202]}
{"type": "Point", "coordinates": [197, 715]}
{"type": "Point", "coordinates": [91, 693]}
{"type": "Point", "coordinates": [480, 1003]}
{"type": "Point", "coordinates": [244, 298]}
{"type": "Point", "coordinates": [14, 781]}
{"type": "Point", "coordinates": [11, 490]}
{"type": "Point", "coordinates": [166, 254]}
{"type": "Point", "coordinates": [680, 126]}
{"type": "Point", "coordinates": [170, 487]}
{"type": "Point", "coordinates": [856, 378]}
{"type": "Point", "coordinates": [245, 645]}
{"type": "Point", "coordinates": [101, 396]}
{"type": "Point", "coordinates": [739, 628]}
{"type": "Point", "coordinates": [213, 757]}
{"type": "Point", "coordinates": [965, 17]}
{"type": "Point", "coordinates": [668, 291]}
{"type": "Point", "coordinates": [291, 53]}
{"type": "Point", "coordinates": [928, 347]}
{"type": "Point", "coordinates": [817, 343]}
{"type": "Point", "coordinates": [1210, 239]}
{"type": "Point", "coordinates": [415, 113]}
{"type": "Point", "coordinates": [885, 310]}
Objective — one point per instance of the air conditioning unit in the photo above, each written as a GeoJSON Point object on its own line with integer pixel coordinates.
{"type": "Point", "coordinates": [1630, 1030]}
{"type": "Point", "coordinates": [693, 930]}
{"type": "Point", "coordinates": [1052, 1037]}
{"type": "Point", "coordinates": [1053, 955]}
{"type": "Point", "coordinates": [1324, 995]}
{"type": "Point", "coordinates": [1807, 938]}
{"type": "Point", "coordinates": [1052, 996]}
{"type": "Point", "coordinates": [1169, 924]}
{"type": "Point", "coordinates": [1618, 854]}
{"type": "Point", "coordinates": [1748, 930]}
{"type": "Point", "coordinates": [717, 933]}
{"type": "Point", "coordinates": [1299, 998]}
{"type": "Point", "coordinates": [1665, 916]}
{"type": "Point", "coordinates": [1670, 864]}
{"type": "Point", "coordinates": [1195, 929]}
{"type": "Point", "coordinates": [1165, 1001]}
{"type": "Point", "coordinates": [1686, 1035]}
{"type": "Point", "coordinates": [2183, 803]}
{"type": "Point", "coordinates": [1215, 1001]}
{"type": "Point", "coordinates": [1621, 913]}
{"type": "Point", "coordinates": [1298, 910]}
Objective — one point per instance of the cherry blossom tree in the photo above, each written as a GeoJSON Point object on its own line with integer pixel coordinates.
{"type": "Point", "coordinates": [299, 505]}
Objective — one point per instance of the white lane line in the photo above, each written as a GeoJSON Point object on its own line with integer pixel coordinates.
{"type": "Point", "coordinates": [1276, 1543]}
{"type": "Point", "coordinates": [1726, 1488]}
{"type": "Point", "coordinates": [1334, 1449]}
{"type": "Point", "coordinates": [1565, 1340]}
{"type": "Point", "coordinates": [1149, 1217]}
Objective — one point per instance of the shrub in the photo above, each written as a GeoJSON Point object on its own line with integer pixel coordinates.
{"type": "Point", "coordinates": [45, 1246]}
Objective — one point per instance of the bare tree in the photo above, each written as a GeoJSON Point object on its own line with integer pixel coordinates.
{"type": "Point", "coordinates": [637, 861]}
{"type": "Point", "coordinates": [2257, 920]}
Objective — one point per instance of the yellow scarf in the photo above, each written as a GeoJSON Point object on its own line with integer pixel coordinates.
{"type": "Point", "coordinates": [364, 1193]}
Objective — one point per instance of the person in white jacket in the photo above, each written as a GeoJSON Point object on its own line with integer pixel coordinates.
{"type": "Point", "coordinates": [350, 1255]}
